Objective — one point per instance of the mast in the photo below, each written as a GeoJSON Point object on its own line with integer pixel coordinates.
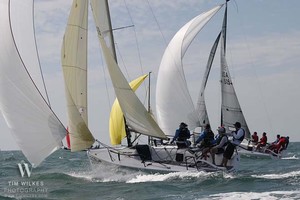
{"type": "Point", "coordinates": [111, 35]}
{"type": "Point", "coordinates": [223, 35]}
{"type": "Point", "coordinates": [149, 108]}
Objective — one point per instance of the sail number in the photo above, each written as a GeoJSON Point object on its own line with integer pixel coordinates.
{"type": "Point", "coordinates": [226, 78]}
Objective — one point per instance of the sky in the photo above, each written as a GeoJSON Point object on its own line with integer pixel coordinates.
{"type": "Point", "coordinates": [263, 49]}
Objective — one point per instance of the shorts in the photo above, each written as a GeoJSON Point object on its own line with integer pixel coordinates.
{"type": "Point", "coordinates": [229, 151]}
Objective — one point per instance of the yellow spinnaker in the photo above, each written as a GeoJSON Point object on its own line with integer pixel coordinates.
{"type": "Point", "coordinates": [116, 120]}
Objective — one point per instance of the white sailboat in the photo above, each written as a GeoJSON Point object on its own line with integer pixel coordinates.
{"type": "Point", "coordinates": [29, 115]}
{"type": "Point", "coordinates": [137, 119]}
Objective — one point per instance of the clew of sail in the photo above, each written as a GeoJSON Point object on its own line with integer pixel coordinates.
{"type": "Point", "coordinates": [116, 120]}
{"type": "Point", "coordinates": [231, 111]}
{"type": "Point", "coordinates": [74, 64]}
{"type": "Point", "coordinates": [173, 101]}
{"type": "Point", "coordinates": [35, 127]}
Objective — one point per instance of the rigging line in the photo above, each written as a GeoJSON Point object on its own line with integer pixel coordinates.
{"type": "Point", "coordinates": [120, 55]}
{"type": "Point", "coordinates": [136, 39]}
{"type": "Point", "coordinates": [258, 82]}
{"type": "Point", "coordinates": [159, 28]}
{"type": "Point", "coordinates": [38, 57]}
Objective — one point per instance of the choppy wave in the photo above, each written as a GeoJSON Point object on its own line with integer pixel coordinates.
{"type": "Point", "coordinates": [170, 176]}
{"type": "Point", "coordinates": [274, 195]}
{"type": "Point", "coordinates": [278, 176]}
{"type": "Point", "coordinates": [294, 157]}
{"type": "Point", "coordinates": [70, 175]}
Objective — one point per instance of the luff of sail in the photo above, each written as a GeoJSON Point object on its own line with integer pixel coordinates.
{"type": "Point", "coordinates": [116, 120]}
{"type": "Point", "coordinates": [230, 108]}
{"type": "Point", "coordinates": [35, 127]}
{"type": "Point", "coordinates": [173, 101]}
{"type": "Point", "coordinates": [201, 105]}
{"type": "Point", "coordinates": [100, 9]}
{"type": "Point", "coordinates": [74, 64]}
{"type": "Point", "coordinates": [137, 117]}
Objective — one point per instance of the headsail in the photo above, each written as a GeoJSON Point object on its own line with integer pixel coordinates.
{"type": "Point", "coordinates": [231, 109]}
{"type": "Point", "coordinates": [74, 64]}
{"type": "Point", "coordinates": [201, 105]}
{"type": "Point", "coordinates": [37, 130]}
{"type": "Point", "coordinates": [116, 120]}
{"type": "Point", "coordinates": [173, 101]}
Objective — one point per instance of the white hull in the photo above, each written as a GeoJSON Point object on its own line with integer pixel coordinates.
{"type": "Point", "coordinates": [164, 159]}
{"type": "Point", "coordinates": [250, 151]}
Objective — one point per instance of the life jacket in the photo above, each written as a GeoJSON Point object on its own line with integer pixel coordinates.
{"type": "Point", "coordinates": [241, 138]}
{"type": "Point", "coordinates": [219, 140]}
{"type": "Point", "coordinates": [183, 134]}
{"type": "Point", "coordinates": [209, 137]}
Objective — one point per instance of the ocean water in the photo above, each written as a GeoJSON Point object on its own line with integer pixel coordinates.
{"type": "Point", "coordinates": [66, 175]}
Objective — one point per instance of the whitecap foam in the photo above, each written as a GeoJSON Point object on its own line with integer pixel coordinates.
{"type": "Point", "coordinates": [273, 195]}
{"type": "Point", "coordinates": [278, 176]}
{"type": "Point", "coordinates": [170, 176]}
{"type": "Point", "coordinates": [294, 157]}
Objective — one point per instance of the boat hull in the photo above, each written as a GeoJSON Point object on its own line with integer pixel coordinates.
{"type": "Point", "coordinates": [160, 159]}
{"type": "Point", "coordinates": [249, 150]}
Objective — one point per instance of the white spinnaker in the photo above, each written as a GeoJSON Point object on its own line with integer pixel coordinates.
{"type": "Point", "coordinates": [230, 108]}
{"type": "Point", "coordinates": [74, 64]}
{"type": "Point", "coordinates": [173, 101]}
{"type": "Point", "coordinates": [35, 127]}
{"type": "Point", "coordinates": [29, 54]}
{"type": "Point", "coordinates": [136, 115]}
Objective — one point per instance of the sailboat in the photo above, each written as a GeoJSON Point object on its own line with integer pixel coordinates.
{"type": "Point", "coordinates": [171, 84]}
{"type": "Point", "coordinates": [154, 156]}
{"type": "Point", "coordinates": [27, 111]}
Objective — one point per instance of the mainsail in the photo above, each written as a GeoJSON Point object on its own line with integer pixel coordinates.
{"type": "Point", "coordinates": [35, 127]}
{"type": "Point", "coordinates": [173, 101]}
{"type": "Point", "coordinates": [74, 64]}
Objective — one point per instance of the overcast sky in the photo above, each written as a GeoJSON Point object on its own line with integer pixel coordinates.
{"type": "Point", "coordinates": [263, 56]}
